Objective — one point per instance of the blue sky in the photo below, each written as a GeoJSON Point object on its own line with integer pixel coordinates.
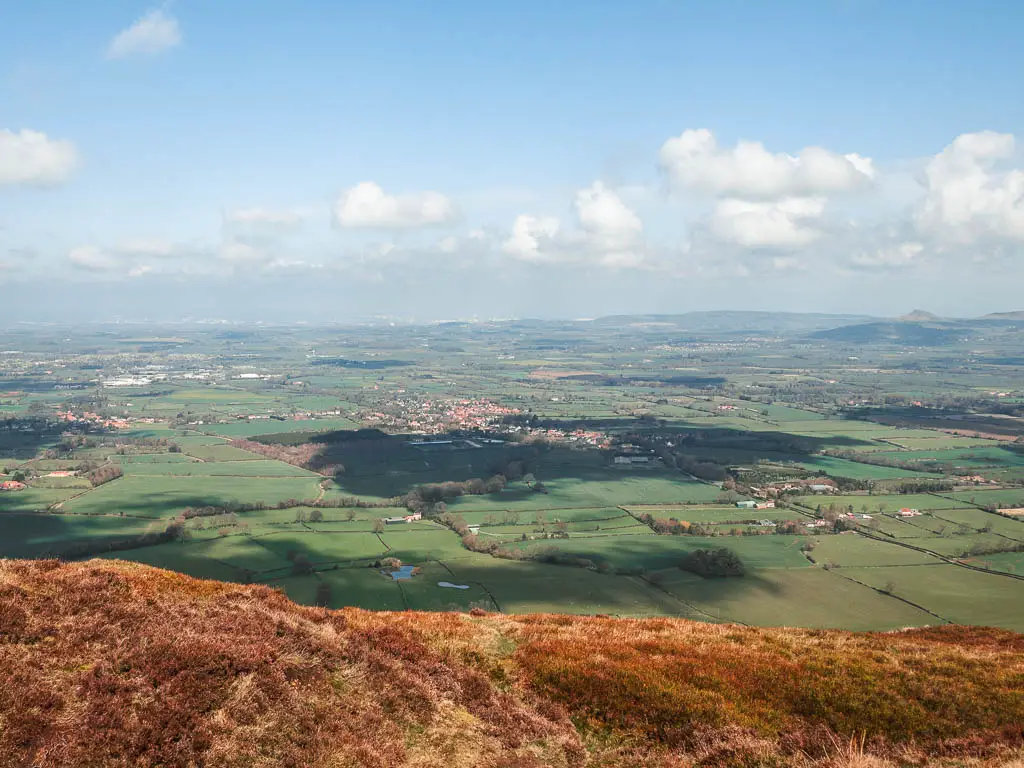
{"type": "Point", "coordinates": [345, 159]}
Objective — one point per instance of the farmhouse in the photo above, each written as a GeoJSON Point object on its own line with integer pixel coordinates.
{"type": "Point", "coordinates": [908, 512]}
{"type": "Point", "coordinates": [764, 505]}
{"type": "Point", "coordinates": [821, 488]}
{"type": "Point", "coordinates": [411, 517]}
{"type": "Point", "coordinates": [11, 485]}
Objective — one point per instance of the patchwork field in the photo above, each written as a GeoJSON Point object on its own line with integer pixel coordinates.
{"type": "Point", "coordinates": [585, 427]}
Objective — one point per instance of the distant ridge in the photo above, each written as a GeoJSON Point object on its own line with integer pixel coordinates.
{"type": "Point", "coordinates": [918, 316]}
{"type": "Point", "coordinates": [1017, 315]}
{"type": "Point", "coordinates": [904, 332]}
{"type": "Point", "coordinates": [734, 321]}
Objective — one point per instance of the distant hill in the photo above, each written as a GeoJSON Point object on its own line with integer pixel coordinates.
{"type": "Point", "coordinates": [914, 334]}
{"type": "Point", "coordinates": [109, 663]}
{"type": "Point", "coordinates": [1018, 315]}
{"type": "Point", "coordinates": [918, 316]}
{"type": "Point", "coordinates": [733, 321]}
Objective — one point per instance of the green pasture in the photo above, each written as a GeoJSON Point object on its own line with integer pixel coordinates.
{"type": "Point", "coordinates": [956, 594]}
{"type": "Point", "coordinates": [255, 468]}
{"type": "Point", "coordinates": [184, 558]}
{"type": "Point", "coordinates": [1008, 562]}
{"type": "Point", "coordinates": [656, 552]}
{"type": "Point", "coordinates": [1008, 497]}
{"type": "Point", "coordinates": [162, 496]}
{"type": "Point", "coordinates": [361, 587]}
{"type": "Point", "coordinates": [891, 502]}
{"type": "Point", "coordinates": [526, 587]}
{"type": "Point", "coordinates": [33, 499]}
{"type": "Point", "coordinates": [42, 535]}
{"type": "Point", "coordinates": [851, 549]}
{"type": "Point", "coordinates": [857, 470]}
{"type": "Point", "coordinates": [414, 547]}
{"type": "Point", "coordinates": [805, 597]}
{"type": "Point", "coordinates": [255, 427]}
{"type": "Point", "coordinates": [630, 489]}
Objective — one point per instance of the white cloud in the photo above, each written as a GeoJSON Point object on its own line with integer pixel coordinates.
{"type": "Point", "coordinates": [367, 206]}
{"type": "Point", "coordinates": [609, 223]}
{"type": "Point", "coordinates": [152, 34]}
{"type": "Point", "coordinates": [968, 196]}
{"type": "Point", "coordinates": [153, 248]}
{"type": "Point", "coordinates": [784, 223]}
{"type": "Point", "coordinates": [609, 233]}
{"type": "Point", "coordinates": [532, 237]}
{"type": "Point", "coordinates": [694, 160]}
{"type": "Point", "coordinates": [140, 270]}
{"type": "Point", "coordinates": [30, 157]}
{"type": "Point", "coordinates": [263, 217]}
{"type": "Point", "coordinates": [92, 259]}
{"type": "Point", "coordinates": [889, 257]}
{"type": "Point", "coordinates": [237, 253]}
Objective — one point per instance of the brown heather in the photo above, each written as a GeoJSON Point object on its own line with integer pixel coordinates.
{"type": "Point", "coordinates": [105, 663]}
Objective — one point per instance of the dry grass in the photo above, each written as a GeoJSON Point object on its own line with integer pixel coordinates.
{"type": "Point", "coordinates": [116, 664]}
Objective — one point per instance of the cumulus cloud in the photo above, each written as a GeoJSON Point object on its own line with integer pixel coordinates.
{"type": "Point", "coordinates": [969, 194]}
{"type": "Point", "coordinates": [532, 237]}
{"type": "Point", "coordinates": [30, 157]}
{"type": "Point", "coordinates": [265, 218]}
{"type": "Point", "coordinates": [609, 223]}
{"type": "Point", "coordinates": [154, 33]}
{"type": "Point", "coordinates": [367, 206]}
{"type": "Point", "coordinates": [695, 160]}
{"type": "Point", "coordinates": [609, 233]}
{"type": "Point", "coordinates": [92, 259]}
{"type": "Point", "coordinates": [785, 223]}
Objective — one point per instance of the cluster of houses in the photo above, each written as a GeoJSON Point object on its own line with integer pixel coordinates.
{"type": "Point", "coordinates": [434, 416]}
{"type": "Point", "coordinates": [907, 512]}
{"type": "Point", "coordinates": [12, 485]}
{"type": "Point", "coordinates": [91, 419]}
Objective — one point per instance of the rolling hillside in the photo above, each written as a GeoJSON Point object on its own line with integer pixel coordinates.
{"type": "Point", "coordinates": [115, 664]}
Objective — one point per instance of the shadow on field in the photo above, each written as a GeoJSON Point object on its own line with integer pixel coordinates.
{"type": "Point", "coordinates": [378, 464]}
{"type": "Point", "coordinates": [40, 535]}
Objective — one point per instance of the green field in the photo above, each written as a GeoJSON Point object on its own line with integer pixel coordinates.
{"type": "Point", "coordinates": [956, 594]}
{"type": "Point", "coordinates": [657, 552]}
{"type": "Point", "coordinates": [629, 489]}
{"type": "Point", "coordinates": [741, 407]}
{"type": "Point", "coordinates": [34, 499]}
{"type": "Point", "coordinates": [850, 549]}
{"type": "Point", "coordinates": [256, 468]}
{"type": "Point", "coordinates": [872, 503]}
{"type": "Point", "coordinates": [162, 496]}
{"type": "Point", "coordinates": [807, 597]}
{"type": "Point", "coordinates": [41, 535]}
{"type": "Point", "coordinates": [536, 587]}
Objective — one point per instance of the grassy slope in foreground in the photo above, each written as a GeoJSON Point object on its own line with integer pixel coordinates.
{"type": "Point", "coordinates": [112, 663]}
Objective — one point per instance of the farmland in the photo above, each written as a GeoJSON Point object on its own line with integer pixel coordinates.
{"type": "Point", "coordinates": [543, 468]}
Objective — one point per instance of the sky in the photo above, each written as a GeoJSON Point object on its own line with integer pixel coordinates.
{"type": "Point", "coordinates": [331, 161]}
